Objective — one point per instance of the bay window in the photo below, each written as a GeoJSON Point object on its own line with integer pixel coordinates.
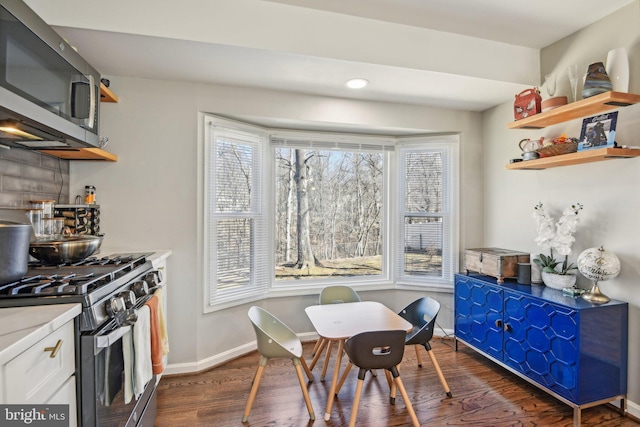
{"type": "Point", "coordinates": [295, 211]}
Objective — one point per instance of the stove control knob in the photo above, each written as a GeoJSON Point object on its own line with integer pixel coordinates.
{"type": "Point", "coordinates": [129, 298]}
{"type": "Point", "coordinates": [115, 305]}
{"type": "Point", "coordinates": [140, 288]}
{"type": "Point", "coordinates": [152, 279]}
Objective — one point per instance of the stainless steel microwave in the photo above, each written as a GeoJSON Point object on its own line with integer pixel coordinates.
{"type": "Point", "coordinates": [49, 95]}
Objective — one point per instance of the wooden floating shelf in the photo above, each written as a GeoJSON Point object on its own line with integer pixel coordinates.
{"type": "Point", "coordinates": [583, 108]}
{"type": "Point", "coordinates": [577, 158]}
{"type": "Point", "coordinates": [82, 154]}
{"type": "Point", "coordinates": [106, 95]}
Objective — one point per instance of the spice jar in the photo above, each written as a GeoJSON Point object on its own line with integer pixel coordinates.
{"type": "Point", "coordinates": [89, 194]}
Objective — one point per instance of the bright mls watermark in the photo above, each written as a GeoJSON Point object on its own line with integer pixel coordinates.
{"type": "Point", "coordinates": [34, 415]}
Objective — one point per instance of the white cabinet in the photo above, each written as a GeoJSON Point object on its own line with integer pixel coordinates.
{"type": "Point", "coordinates": [37, 356]}
{"type": "Point", "coordinates": [38, 372]}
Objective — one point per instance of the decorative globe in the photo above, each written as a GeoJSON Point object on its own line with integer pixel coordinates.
{"type": "Point", "coordinates": [598, 264]}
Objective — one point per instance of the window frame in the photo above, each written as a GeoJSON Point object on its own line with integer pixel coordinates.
{"type": "Point", "coordinates": [449, 146]}
{"type": "Point", "coordinates": [340, 142]}
{"type": "Point", "coordinates": [392, 241]}
{"type": "Point", "coordinates": [215, 299]}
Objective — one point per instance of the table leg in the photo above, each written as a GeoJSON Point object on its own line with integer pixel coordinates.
{"type": "Point", "coordinates": [334, 380]}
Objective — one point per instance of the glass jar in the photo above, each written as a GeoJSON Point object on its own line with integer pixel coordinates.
{"type": "Point", "coordinates": [90, 194]}
{"type": "Point", "coordinates": [35, 217]}
{"type": "Point", "coordinates": [45, 205]}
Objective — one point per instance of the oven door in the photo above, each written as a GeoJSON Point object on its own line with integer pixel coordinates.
{"type": "Point", "coordinates": [102, 382]}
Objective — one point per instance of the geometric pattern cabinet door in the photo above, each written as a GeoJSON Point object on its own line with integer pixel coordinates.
{"type": "Point", "coordinates": [541, 341]}
{"type": "Point", "coordinates": [478, 316]}
{"type": "Point", "coordinates": [569, 347]}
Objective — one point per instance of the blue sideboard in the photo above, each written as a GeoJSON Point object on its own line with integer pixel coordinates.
{"type": "Point", "coordinates": [568, 347]}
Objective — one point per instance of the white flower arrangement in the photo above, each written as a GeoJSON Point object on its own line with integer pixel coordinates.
{"type": "Point", "coordinates": [558, 236]}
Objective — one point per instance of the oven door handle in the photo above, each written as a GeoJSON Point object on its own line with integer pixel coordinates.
{"type": "Point", "coordinates": [104, 341]}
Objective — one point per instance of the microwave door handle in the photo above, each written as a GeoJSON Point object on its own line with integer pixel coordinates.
{"type": "Point", "coordinates": [92, 102]}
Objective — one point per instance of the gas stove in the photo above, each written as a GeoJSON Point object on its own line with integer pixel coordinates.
{"type": "Point", "coordinates": [93, 282]}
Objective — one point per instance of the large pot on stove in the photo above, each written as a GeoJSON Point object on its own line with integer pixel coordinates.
{"type": "Point", "coordinates": [64, 249]}
{"type": "Point", "coordinates": [14, 250]}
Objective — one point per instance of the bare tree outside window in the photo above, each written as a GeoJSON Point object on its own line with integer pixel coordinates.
{"type": "Point", "coordinates": [334, 222]}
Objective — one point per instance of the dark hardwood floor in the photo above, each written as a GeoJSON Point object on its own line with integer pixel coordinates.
{"type": "Point", "coordinates": [484, 394]}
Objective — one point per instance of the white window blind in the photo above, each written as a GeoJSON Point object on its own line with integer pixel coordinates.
{"type": "Point", "coordinates": [426, 225]}
{"type": "Point", "coordinates": [236, 254]}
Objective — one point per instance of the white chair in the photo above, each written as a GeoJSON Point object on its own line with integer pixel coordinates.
{"type": "Point", "coordinates": [276, 340]}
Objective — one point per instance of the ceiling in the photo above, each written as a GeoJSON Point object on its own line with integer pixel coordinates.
{"type": "Point", "coordinates": [459, 54]}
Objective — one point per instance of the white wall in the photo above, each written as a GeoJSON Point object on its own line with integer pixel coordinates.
{"type": "Point", "coordinates": [150, 198]}
{"type": "Point", "coordinates": [608, 190]}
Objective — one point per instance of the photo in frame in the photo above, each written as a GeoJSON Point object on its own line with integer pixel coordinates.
{"type": "Point", "coordinates": [598, 132]}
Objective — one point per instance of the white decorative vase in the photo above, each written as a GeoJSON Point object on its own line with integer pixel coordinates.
{"type": "Point", "coordinates": [617, 67]}
{"type": "Point", "coordinates": [536, 278]}
{"type": "Point", "coordinates": [558, 281]}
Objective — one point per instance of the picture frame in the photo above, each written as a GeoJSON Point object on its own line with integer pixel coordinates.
{"type": "Point", "coordinates": [598, 132]}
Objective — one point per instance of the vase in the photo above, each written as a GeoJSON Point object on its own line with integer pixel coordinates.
{"type": "Point", "coordinates": [536, 278]}
{"type": "Point", "coordinates": [559, 281]}
{"type": "Point", "coordinates": [596, 81]}
{"type": "Point", "coordinates": [617, 66]}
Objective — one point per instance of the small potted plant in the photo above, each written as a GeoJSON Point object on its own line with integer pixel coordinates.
{"type": "Point", "coordinates": [558, 237]}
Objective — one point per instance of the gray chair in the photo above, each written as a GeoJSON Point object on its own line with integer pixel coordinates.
{"type": "Point", "coordinates": [276, 340]}
{"type": "Point", "coordinates": [331, 295]}
{"type": "Point", "coordinates": [378, 350]}
{"type": "Point", "coordinates": [422, 315]}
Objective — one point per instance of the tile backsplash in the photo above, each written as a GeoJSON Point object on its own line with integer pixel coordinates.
{"type": "Point", "coordinates": [29, 175]}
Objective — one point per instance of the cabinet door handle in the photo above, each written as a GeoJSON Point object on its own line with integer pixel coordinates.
{"type": "Point", "coordinates": [498, 323]}
{"type": "Point", "coordinates": [54, 350]}
{"type": "Point", "coordinates": [507, 327]}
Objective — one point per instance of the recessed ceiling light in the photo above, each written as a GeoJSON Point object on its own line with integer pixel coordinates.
{"type": "Point", "coordinates": [357, 83]}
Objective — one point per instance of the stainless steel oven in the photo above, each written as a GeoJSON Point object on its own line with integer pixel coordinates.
{"type": "Point", "coordinates": [111, 291]}
{"type": "Point", "coordinates": [103, 375]}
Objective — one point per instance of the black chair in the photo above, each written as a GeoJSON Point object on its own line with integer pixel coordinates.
{"type": "Point", "coordinates": [378, 350]}
{"type": "Point", "coordinates": [422, 315]}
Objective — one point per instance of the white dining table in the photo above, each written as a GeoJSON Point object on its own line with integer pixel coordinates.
{"type": "Point", "coordinates": [338, 322]}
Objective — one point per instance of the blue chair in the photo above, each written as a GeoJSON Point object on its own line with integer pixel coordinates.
{"type": "Point", "coordinates": [422, 315]}
{"type": "Point", "coordinates": [276, 340]}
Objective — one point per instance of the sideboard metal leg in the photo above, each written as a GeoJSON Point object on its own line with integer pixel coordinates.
{"type": "Point", "coordinates": [577, 413]}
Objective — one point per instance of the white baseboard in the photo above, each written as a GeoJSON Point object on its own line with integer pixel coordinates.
{"type": "Point", "coordinates": [633, 409]}
{"type": "Point", "coordinates": [219, 359]}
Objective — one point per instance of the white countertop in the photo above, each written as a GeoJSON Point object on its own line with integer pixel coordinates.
{"type": "Point", "coordinates": [22, 327]}
{"type": "Point", "coordinates": [159, 255]}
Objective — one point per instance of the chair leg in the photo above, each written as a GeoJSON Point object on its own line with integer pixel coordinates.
{"type": "Point", "coordinates": [356, 401]}
{"type": "Point", "coordinates": [418, 356]}
{"type": "Point", "coordinates": [318, 352]}
{"type": "Point", "coordinates": [317, 346]}
{"type": "Point", "coordinates": [344, 377]}
{"type": "Point", "coordinates": [439, 372]}
{"type": "Point", "coordinates": [326, 360]}
{"type": "Point", "coordinates": [407, 402]}
{"type": "Point", "coordinates": [303, 386]}
{"type": "Point", "coordinates": [306, 369]}
{"type": "Point", "coordinates": [254, 388]}
{"type": "Point", "coordinates": [392, 387]}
